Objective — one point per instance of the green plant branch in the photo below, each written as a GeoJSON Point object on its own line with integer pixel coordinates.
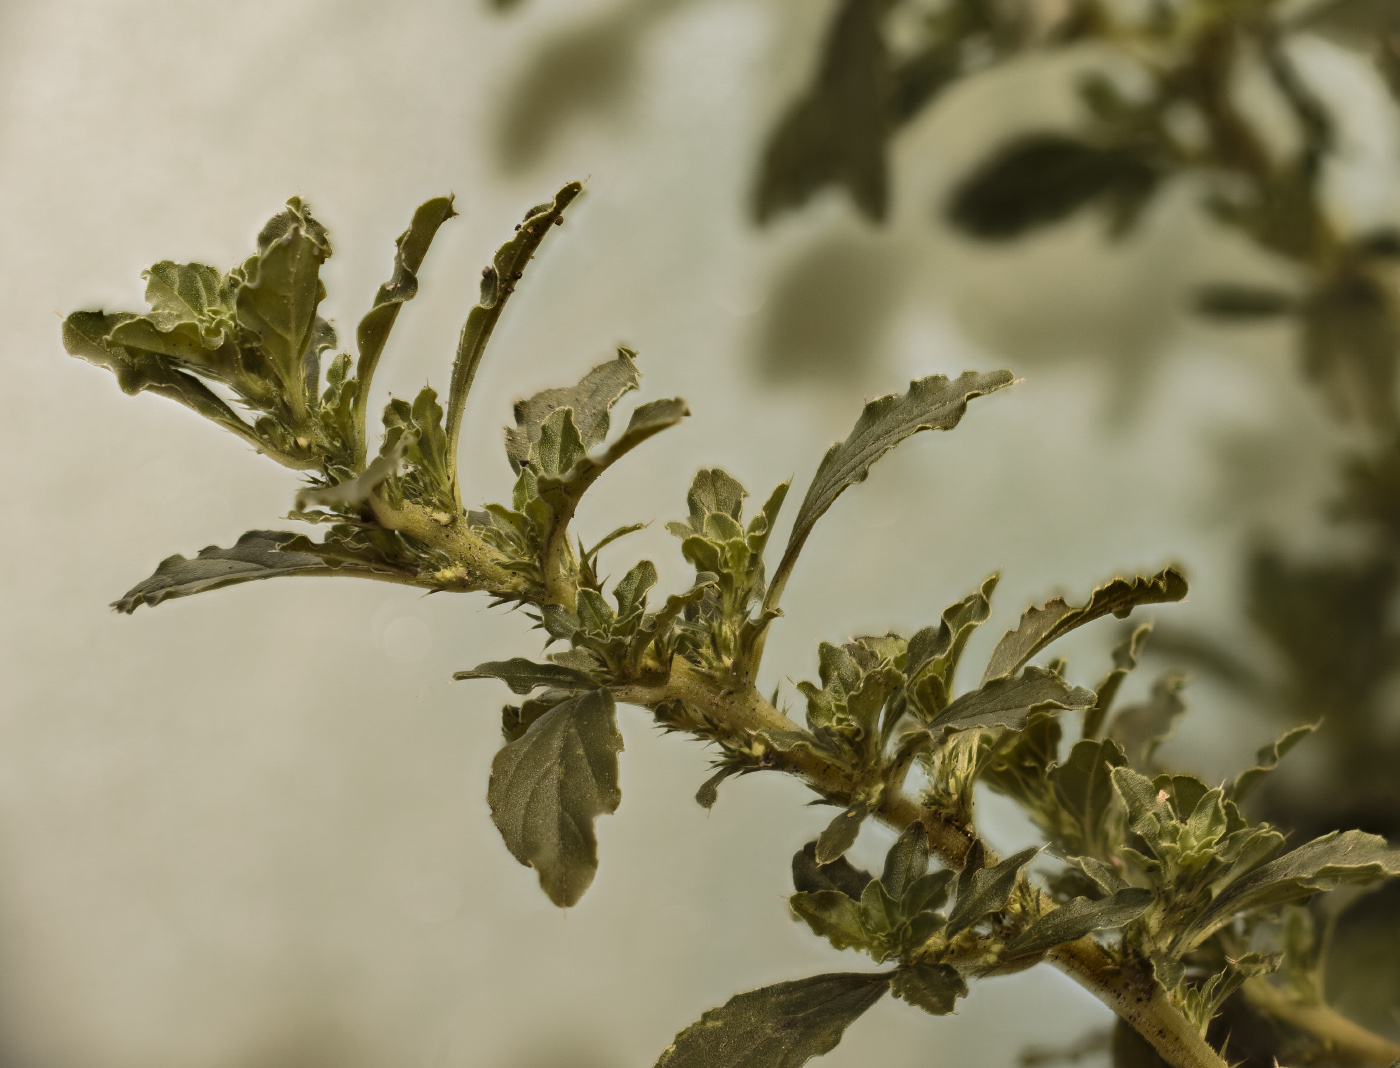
{"type": "Point", "coordinates": [738, 709]}
{"type": "Point", "coordinates": [1349, 1040]}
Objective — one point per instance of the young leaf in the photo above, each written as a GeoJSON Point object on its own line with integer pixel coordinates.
{"type": "Point", "coordinates": [1078, 917]}
{"type": "Point", "coordinates": [1007, 702]}
{"type": "Point", "coordinates": [985, 890]}
{"type": "Point", "coordinates": [523, 675]}
{"type": "Point", "coordinates": [591, 401]}
{"type": "Point", "coordinates": [1336, 859]}
{"type": "Point", "coordinates": [810, 877]}
{"type": "Point", "coordinates": [497, 284]}
{"type": "Point", "coordinates": [939, 650]}
{"type": "Point", "coordinates": [906, 861]}
{"type": "Point", "coordinates": [933, 403]}
{"type": "Point", "coordinates": [256, 555]}
{"type": "Point", "coordinates": [841, 833]}
{"type": "Point", "coordinates": [1267, 760]}
{"type": "Point", "coordinates": [548, 787]}
{"type": "Point", "coordinates": [781, 1026]}
{"type": "Point", "coordinates": [373, 333]}
{"type": "Point", "coordinates": [932, 987]}
{"type": "Point", "coordinates": [1041, 626]}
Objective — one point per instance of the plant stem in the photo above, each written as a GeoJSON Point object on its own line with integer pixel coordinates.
{"type": "Point", "coordinates": [1343, 1037]}
{"type": "Point", "coordinates": [740, 710]}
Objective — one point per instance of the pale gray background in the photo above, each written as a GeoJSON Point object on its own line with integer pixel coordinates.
{"type": "Point", "coordinates": [249, 829]}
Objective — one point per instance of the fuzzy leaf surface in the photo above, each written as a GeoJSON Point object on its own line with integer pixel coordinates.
{"type": "Point", "coordinates": [1007, 701]}
{"type": "Point", "coordinates": [256, 555]}
{"type": "Point", "coordinates": [985, 890]}
{"type": "Point", "coordinates": [549, 787]}
{"type": "Point", "coordinates": [1078, 917]}
{"type": "Point", "coordinates": [1041, 626]}
{"type": "Point", "coordinates": [933, 403]}
{"type": "Point", "coordinates": [935, 988]}
{"type": "Point", "coordinates": [523, 675]}
{"type": "Point", "coordinates": [780, 1026]}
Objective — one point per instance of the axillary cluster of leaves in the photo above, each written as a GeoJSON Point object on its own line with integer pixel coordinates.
{"type": "Point", "coordinates": [1154, 891]}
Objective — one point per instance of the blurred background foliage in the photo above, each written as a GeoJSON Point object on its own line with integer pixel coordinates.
{"type": "Point", "coordinates": [1177, 220]}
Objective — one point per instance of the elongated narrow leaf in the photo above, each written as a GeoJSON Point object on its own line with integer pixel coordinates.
{"type": "Point", "coordinates": [523, 675]}
{"type": "Point", "coordinates": [1125, 657]}
{"type": "Point", "coordinates": [782, 1026]}
{"type": "Point", "coordinates": [549, 787]}
{"type": "Point", "coordinates": [373, 333]}
{"type": "Point", "coordinates": [935, 988]}
{"type": "Point", "coordinates": [1079, 917]}
{"type": "Point", "coordinates": [498, 282]}
{"type": "Point", "coordinates": [933, 403]}
{"type": "Point", "coordinates": [1335, 859]}
{"type": "Point", "coordinates": [256, 555]}
{"type": "Point", "coordinates": [1267, 759]}
{"type": "Point", "coordinates": [1041, 626]}
{"type": "Point", "coordinates": [1008, 701]}
{"type": "Point", "coordinates": [985, 890]}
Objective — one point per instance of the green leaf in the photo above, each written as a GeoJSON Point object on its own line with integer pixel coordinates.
{"type": "Point", "coordinates": [1041, 626]}
{"type": "Point", "coordinates": [907, 860]}
{"type": "Point", "coordinates": [1008, 701]}
{"type": "Point", "coordinates": [1139, 729]}
{"type": "Point", "coordinates": [1044, 178]}
{"type": "Point", "coordinates": [1078, 917]}
{"type": "Point", "coordinates": [841, 833]}
{"type": "Point", "coordinates": [1083, 785]}
{"type": "Point", "coordinates": [933, 403]}
{"type": "Point", "coordinates": [808, 876]}
{"type": "Point", "coordinates": [1148, 811]}
{"type": "Point", "coordinates": [549, 787]}
{"type": "Point", "coordinates": [780, 1026]}
{"type": "Point", "coordinates": [982, 891]}
{"type": "Point", "coordinates": [498, 282]}
{"type": "Point", "coordinates": [631, 590]}
{"type": "Point", "coordinates": [932, 987]}
{"type": "Point", "coordinates": [937, 651]}
{"type": "Point", "coordinates": [373, 333]}
{"type": "Point", "coordinates": [256, 555]}
{"type": "Point", "coordinates": [277, 301]}
{"type": "Point", "coordinates": [1103, 875]}
{"type": "Point", "coordinates": [591, 402]}
{"type": "Point", "coordinates": [1267, 759]}
{"type": "Point", "coordinates": [1125, 657]}
{"type": "Point", "coordinates": [1336, 859]}
{"type": "Point", "coordinates": [523, 675]}
{"type": "Point", "coordinates": [836, 133]}
{"type": "Point", "coordinates": [833, 916]}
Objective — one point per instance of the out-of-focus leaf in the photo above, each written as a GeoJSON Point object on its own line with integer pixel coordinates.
{"type": "Point", "coordinates": [932, 987]}
{"type": "Point", "coordinates": [1336, 859]}
{"type": "Point", "coordinates": [781, 1026]}
{"type": "Point", "coordinates": [836, 134]}
{"type": "Point", "coordinates": [1007, 701]}
{"type": "Point", "coordinates": [498, 282]}
{"type": "Point", "coordinates": [523, 675]}
{"type": "Point", "coordinates": [549, 787]}
{"type": "Point", "coordinates": [1351, 342]}
{"type": "Point", "coordinates": [1267, 759]}
{"type": "Point", "coordinates": [1139, 729]}
{"type": "Point", "coordinates": [810, 877]}
{"type": "Point", "coordinates": [1042, 179]}
{"type": "Point", "coordinates": [1231, 302]}
{"type": "Point", "coordinates": [1079, 917]}
{"type": "Point", "coordinates": [1083, 784]}
{"type": "Point", "coordinates": [1041, 626]}
{"type": "Point", "coordinates": [256, 555]}
{"type": "Point", "coordinates": [933, 403]}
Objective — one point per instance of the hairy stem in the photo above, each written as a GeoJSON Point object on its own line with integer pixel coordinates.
{"type": "Point", "coordinates": [738, 708]}
{"type": "Point", "coordinates": [1351, 1042]}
